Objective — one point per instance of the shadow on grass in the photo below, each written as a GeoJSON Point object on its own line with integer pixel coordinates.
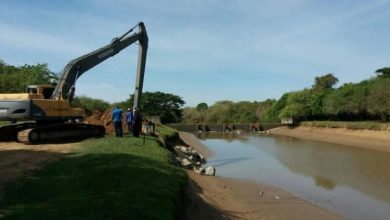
{"type": "Point", "coordinates": [96, 186]}
{"type": "Point", "coordinates": [16, 163]}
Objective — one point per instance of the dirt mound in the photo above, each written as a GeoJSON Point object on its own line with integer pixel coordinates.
{"type": "Point", "coordinates": [105, 119]}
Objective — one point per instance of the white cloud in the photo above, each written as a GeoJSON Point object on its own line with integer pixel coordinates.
{"type": "Point", "coordinates": [24, 38]}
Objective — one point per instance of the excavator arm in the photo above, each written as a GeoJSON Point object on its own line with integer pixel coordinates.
{"type": "Point", "coordinates": [74, 69]}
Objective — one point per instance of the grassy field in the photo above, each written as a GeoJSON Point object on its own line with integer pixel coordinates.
{"type": "Point", "coordinates": [107, 178]}
{"type": "Point", "coordinates": [4, 123]}
{"type": "Point", "coordinates": [165, 131]}
{"type": "Point", "coordinates": [370, 125]}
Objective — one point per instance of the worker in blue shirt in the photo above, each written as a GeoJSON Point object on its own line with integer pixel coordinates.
{"type": "Point", "coordinates": [117, 119]}
{"type": "Point", "coordinates": [129, 119]}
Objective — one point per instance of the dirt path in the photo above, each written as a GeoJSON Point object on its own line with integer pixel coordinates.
{"type": "Point", "coordinates": [17, 159]}
{"type": "Point", "coordinates": [226, 198]}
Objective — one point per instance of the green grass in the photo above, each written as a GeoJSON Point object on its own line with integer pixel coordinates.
{"type": "Point", "coordinates": [107, 178]}
{"type": "Point", "coordinates": [370, 125]}
{"type": "Point", "coordinates": [166, 132]}
{"type": "Point", "coordinates": [4, 123]}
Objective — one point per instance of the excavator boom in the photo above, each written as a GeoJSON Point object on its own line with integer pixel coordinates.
{"type": "Point", "coordinates": [75, 68]}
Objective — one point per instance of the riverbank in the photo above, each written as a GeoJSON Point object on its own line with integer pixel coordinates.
{"type": "Point", "coordinates": [370, 139]}
{"type": "Point", "coordinates": [227, 198]}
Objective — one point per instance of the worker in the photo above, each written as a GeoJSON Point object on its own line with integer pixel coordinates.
{"type": "Point", "coordinates": [117, 119]}
{"type": "Point", "coordinates": [129, 119]}
{"type": "Point", "coordinates": [137, 122]}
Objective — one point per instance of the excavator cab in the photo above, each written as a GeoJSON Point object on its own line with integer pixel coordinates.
{"type": "Point", "coordinates": [45, 91]}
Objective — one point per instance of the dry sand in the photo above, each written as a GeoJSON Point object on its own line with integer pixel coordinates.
{"type": "Point", "coordinates": [376, 140]}
{"type": "Point", "coordinates": [227, 198]}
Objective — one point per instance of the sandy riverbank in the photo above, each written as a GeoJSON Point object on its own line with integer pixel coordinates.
{"type": "Point", "coordinates": [227, 198]}
{"type": "Point", "coordinates": [376, 140]}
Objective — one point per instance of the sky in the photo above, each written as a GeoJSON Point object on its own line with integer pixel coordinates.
{"type": "Point", "coordinates": [205, 50]}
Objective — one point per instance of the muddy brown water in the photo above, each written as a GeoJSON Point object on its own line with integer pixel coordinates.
{"type": "Point", "coordinates": [350, 181]}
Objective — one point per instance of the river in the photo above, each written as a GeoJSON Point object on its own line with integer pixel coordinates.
{"type": "Point", "coordinates": [353, 182]}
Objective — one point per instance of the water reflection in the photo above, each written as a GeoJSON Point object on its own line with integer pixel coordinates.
{"type": "Point", "coordinates": [348, 180]}
{"type": "Point", "coordinates": [324, 183]}
{"type": "Point", "coordinates": [227, 136]}
{"type": "Point", "coordinates": [365, 170]}
{"type": "Point", "coordinates": [222, 162]}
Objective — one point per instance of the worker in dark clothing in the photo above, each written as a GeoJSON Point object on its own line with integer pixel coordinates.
{"type": "Point", "coordinates": [117, 119]}
{"type": "Point", "coordinates": [137, 122]}
{"type": "Point", "coordinates": [129, 119]}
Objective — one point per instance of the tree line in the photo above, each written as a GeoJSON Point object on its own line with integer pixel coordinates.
{"type": "Point", "coordinates": [227, 111]}
{"type": "Point", "coordinates": [366, 100]}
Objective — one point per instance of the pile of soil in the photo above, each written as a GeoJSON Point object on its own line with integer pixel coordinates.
{"type": "Point", "coordinates": [105, 119]}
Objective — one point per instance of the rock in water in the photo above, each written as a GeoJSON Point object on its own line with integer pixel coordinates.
{"type": "Point", "coordinates": [209, 171]}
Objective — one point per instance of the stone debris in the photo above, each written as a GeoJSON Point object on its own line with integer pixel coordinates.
{"type": "Point", "coordinates": [186, 163]}
{"type": "Point", "coordinates": [199, 170]}
{"type": "Point", "coordinates": [209, 171]}
{"type": "Point", "coordinates": [189, 158]}
{"type": "Point", "coordinates": [177, 161]}
{"type": "Point", "coordinates": [261, 193]}
{"type": "Point", "coordinates": [189, 151]}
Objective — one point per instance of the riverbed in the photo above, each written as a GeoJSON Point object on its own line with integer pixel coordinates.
{"type": "Point", "coordinates": [353, 182]}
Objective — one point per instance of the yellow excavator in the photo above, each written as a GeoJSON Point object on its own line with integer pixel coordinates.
{"type": "Point", "coordinates": [44, 112]}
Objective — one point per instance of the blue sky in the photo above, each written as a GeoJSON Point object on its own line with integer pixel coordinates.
{"type": "Point", "coordinates": [206, 50]}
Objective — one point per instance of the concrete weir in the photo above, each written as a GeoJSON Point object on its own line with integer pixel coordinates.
{"type": "Point", "coordinates": [225, 127]}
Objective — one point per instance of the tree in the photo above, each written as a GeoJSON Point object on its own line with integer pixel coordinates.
{"type": "Point", "coordinates": [300, 105]}
{"type": "Point", "coordinates": [272, 113]}
{"type": "Point", "coordinates": [202, 106]}
{"type": "Point", "coordinates": [219, 112]}
{"type": "Point", "coordinates": [349, 102]}
{"type": "Point", "coordinates": [165, 105]}
{"type": "Point", "coordinates": [191, 115]}
{"type": "Point", "coordinates": [15, 79]}
{"type": "Point", "coordinates": [324, 82]}
{"type": "Point", "coordinates": [383, 72]}
{"type": "Point", "coordinates": [262, 108]}
{"type": "Point", "coordinates": [378, 102]}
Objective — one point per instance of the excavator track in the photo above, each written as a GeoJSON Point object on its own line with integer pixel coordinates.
{"type": "Point", "coordinates": [10, 132]}
{"type": "Point", "coordinates": [60, 133]}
